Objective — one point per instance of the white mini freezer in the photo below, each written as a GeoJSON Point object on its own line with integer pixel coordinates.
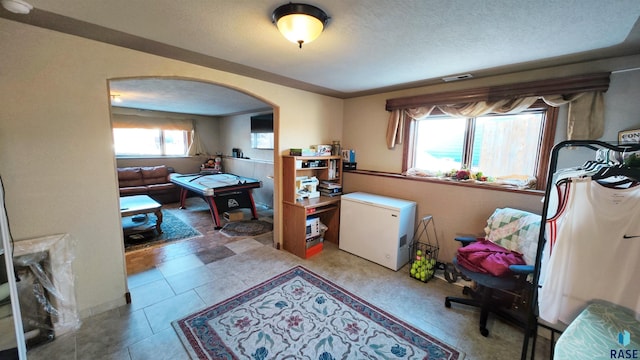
{"type": "Point", "coordinates": [377, 228]}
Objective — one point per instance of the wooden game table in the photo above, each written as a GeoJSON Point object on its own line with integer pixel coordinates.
{"type": "Point", "coordinates": [222, 192]}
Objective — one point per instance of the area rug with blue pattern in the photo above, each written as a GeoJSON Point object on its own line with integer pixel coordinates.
{"type": "Point", "coordinates": [300, 315]}
{"type": "Point", "coordinates": [173, 229]}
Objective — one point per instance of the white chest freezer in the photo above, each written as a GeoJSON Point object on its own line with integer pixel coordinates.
{"type": "Point", "coordinates": [377, 228]}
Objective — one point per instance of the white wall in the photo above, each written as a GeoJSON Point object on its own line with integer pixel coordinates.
{"type": "Point", "coordinates": [622, 108]}
{"type": "Point", "coordinates": [262, 170]}
{"type": "Point", "coordinates": [621, 113]}
{"type": "Point", "coordinates": [236, 133]}
{"type": "Point", "coordinates": [56, 156]}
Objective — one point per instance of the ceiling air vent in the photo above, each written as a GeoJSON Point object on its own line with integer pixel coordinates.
{"type": "Point", "coordinates": [457, 77]}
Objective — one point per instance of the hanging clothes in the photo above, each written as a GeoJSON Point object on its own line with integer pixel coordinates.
{"type": "Point", "coordinates": [605, 159]}
{"type": "Point", "coordinates": [595, 256]}
{"type": "Point", "coordinates": [557, 203]}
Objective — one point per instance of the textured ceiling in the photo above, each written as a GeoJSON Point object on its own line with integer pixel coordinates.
{"type": "Point", "coordinates": [182, 96]}
{"type": "Point", "coordinates": [368, 45]}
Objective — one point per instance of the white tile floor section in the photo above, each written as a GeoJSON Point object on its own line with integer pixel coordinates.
{"type": "Point", "coordinates": [142, 330]}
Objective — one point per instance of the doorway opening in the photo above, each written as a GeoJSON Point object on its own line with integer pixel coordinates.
{"type": "Point", "coordinates": [183, 126]}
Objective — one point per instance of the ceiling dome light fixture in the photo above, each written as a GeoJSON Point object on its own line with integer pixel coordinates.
{"type": "Point", "coordinates": [300, 23]}
{"type": "Point", "coordinates": [17, 6]}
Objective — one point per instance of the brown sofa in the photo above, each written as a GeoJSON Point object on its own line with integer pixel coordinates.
{"type": "Point", "coordinates": [152, 180]}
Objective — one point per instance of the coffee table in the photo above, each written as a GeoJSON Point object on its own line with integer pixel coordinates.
{"type": "Point", "coordinates": [141, 204]}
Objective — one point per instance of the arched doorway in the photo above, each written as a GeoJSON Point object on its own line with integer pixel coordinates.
{"type": "Point", "coordinates": [220, 117]}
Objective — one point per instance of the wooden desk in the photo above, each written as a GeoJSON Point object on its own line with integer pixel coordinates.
{"type": "Point", "coordinates": [295, 221]}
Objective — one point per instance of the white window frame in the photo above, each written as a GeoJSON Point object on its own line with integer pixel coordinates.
{"type": "Point", "coordinates": [163, 146]}
{"type": "Point", "coordinates": [544, 149]}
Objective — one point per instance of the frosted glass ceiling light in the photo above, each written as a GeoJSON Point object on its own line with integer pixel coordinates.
{"type": "Point", "coordinates": [17, 6]}
{"type": "Point", "coordinates": [300, 23]}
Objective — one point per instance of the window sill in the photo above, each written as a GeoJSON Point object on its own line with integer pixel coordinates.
{"type": "Point", "coordinates": [154, 156]}
{"type": "Point", "coordinates": [474, 184]}
{"type": "Point", "coordinates": [263, 161]}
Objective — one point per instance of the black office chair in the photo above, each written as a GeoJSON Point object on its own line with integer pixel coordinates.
{"type": "Point", "coordinates": [505, 296]}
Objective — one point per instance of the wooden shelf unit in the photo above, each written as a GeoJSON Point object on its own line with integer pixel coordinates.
{"type": "Point", "coordinates": [296, 212]}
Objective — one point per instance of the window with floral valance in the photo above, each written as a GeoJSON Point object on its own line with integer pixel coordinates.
{"type": "Point", "coordinates": [583, 94]}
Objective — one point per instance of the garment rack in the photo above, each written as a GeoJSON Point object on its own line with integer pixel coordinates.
{"type": "Point", "coordinates": [531, 323]}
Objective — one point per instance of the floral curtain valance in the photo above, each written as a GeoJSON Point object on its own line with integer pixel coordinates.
{"type": "Point", "coordinates": [583, 94]}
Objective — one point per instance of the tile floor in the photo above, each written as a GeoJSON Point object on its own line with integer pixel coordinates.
{"type": "Point", "coordinates": [211, 268]}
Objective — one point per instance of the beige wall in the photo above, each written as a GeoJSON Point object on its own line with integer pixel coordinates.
{"type": "Point", "coordinates": [456, 210]}
{"type": "Point", "coordinates": [460, 209]}
{"type": "Point", "coordinates": [57, 162]}
{"type": "Point", "coordinates": [209, 134]}
{"type": "Point", "coordinates": [181, 165]}
{"type": "Point", "coordinates": [365, 118]}
{"type": "Point", "coordinates": [56, 156]}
